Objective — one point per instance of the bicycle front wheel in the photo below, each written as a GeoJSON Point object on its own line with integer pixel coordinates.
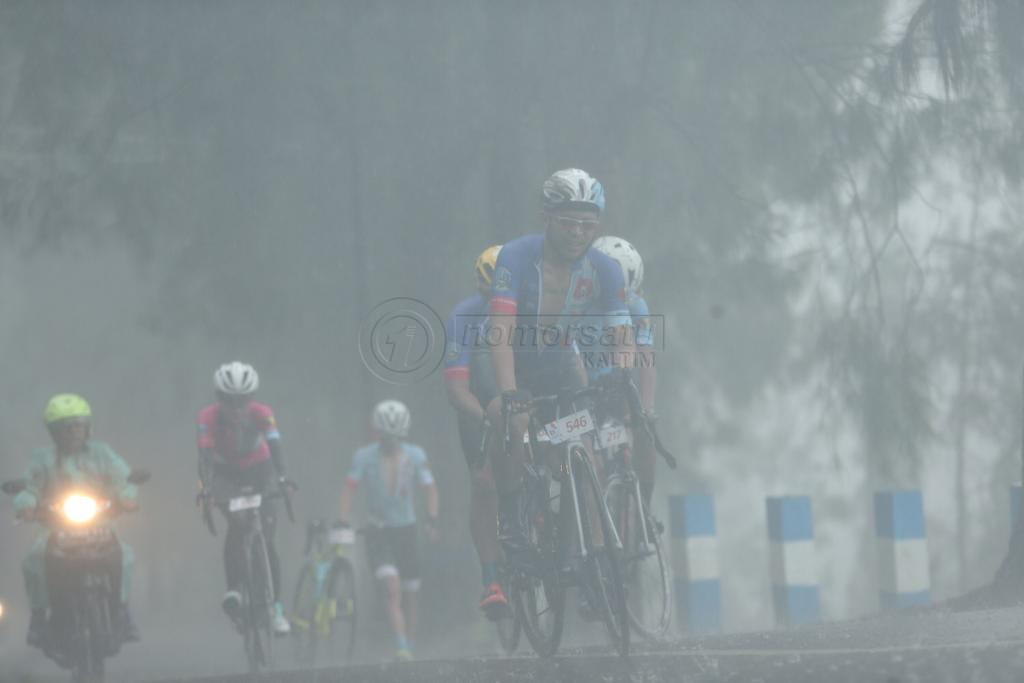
{"type": "Point", "coordinates": [340, 604]}
{"type": "Point", "coordinates": [304, 602]}
{"type": "Point", "coordinates": [539, 596]}
{"type": "Point", "coordinates": [260, 602]}
{"type": "Point", "coordinates": [509, 630]}
{"type": "Point", "coordinates": [602, 568]}
{"type": "Point", "coordinates": [644, 563]}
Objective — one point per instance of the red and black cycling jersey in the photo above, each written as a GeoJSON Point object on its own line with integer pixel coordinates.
{"type": "Point", "coordinates": [243, 443]}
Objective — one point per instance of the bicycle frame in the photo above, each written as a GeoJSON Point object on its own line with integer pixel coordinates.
{"type": "Point", "coordinates": [568, 451]}
{"type": "Point", "coordinates": [564, 463]}
{"type": "Point", "coordinates": [253, 535]}
{"type": "Point", "coordinates": [628, 477]}
{"type": "Point", "coordinates": [242, 508]}
{"type": "Point", "coordinates": [317, 606]}
{"type": "Point", "coordinates": [640, 532]}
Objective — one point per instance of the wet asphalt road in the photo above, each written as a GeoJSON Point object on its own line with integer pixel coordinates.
{"type": "Point", "coordinates": [936, 646]}
{"type": "Point", "coordinates": [933, 647]}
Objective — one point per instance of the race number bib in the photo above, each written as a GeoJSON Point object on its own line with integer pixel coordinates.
{"type": "Point", "coordinates": [570, 427]}
{"type": "Point", "coordinates": [244, 503]}
{"type": "Point", "coordinates": [611, 435]}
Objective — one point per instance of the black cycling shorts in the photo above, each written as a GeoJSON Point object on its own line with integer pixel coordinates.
{"type": "Point", "coordinates": [392, 551]}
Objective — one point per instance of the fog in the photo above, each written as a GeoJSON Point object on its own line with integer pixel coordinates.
{"type": "Point", "coordinates": [834, 249]}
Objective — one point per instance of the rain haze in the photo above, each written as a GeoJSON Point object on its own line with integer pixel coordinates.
{"type": "Point", "coordinates": [826, 197]}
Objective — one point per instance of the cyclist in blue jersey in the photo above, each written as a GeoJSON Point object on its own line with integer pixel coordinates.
{"type": "Point", "coordinates": [643, 370]}
{"type": "Point", "coordinates": [469, 381]}
{"type": "Point", "coordinates": [544, 285]}
{"type": "Point", "coordinates": [390, 471]}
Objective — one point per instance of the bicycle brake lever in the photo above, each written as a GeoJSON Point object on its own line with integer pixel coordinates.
{"type": "Point", "coordinates": [658, 446]}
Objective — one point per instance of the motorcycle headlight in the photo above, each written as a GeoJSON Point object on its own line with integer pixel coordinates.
{"type": "Point", "coordinates": [79, 509]}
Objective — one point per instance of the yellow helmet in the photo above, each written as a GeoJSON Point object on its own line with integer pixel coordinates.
{"type": "Point", "coordinates": [485, 263]}
{"type": "Point", "coordinates": [65, 407]}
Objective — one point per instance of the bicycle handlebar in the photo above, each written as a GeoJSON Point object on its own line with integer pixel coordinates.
{"type": "Point", "coordinates": [648, 423]}
{"type": "Point", "coordinates": [527, 404]}
{"type": "Point", "coordinates": [282, 491]}
{"type": "Point", "coordinates": [562, 397]}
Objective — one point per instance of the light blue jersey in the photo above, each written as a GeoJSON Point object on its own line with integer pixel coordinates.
{"type": "Point", "coordinates": [640, 316]}
{"type": "Point", "coordinates": [387, 507]}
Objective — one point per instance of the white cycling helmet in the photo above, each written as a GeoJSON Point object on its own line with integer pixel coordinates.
{"type": "Point", "coordinates": [236, 379]}
{"type": "Point", "coordinates": [391, 418]}
{"type": "Point", "coordinates": [628, 257]}
{"type": "Point", "coordinates": [573, 188]}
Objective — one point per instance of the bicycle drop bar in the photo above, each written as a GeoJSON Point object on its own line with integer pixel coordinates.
{"type": "Point", "coordinates": [634, 401]}
{"type": "Point", "coordinates": [281, 492]}
{"type": "Point", "coordinates": [561, 398]}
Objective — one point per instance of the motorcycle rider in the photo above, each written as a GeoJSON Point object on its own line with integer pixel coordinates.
{"type": "Point", "coordinates": [240, 446]}
{"type": "Point", "coordinates": [73, 458]}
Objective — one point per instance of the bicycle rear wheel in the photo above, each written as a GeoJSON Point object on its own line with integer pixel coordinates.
{"type": "Point", "coordinates": [645, 566]}
{"type": "Point", "coordinates": [538, 596]}
{"type": "Point", "coordinates": [602, 568]}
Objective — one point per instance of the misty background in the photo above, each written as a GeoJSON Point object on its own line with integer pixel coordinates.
{"type": "Point", "coordinates": [826, 196]}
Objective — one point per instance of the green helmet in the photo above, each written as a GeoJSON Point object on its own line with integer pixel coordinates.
{"type": "Point", "coordinates": [66, 407]}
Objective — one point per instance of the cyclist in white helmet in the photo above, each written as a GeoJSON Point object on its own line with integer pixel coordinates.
{"type": "Point", "coordinates": [632, 265]}
{"type": "Point", "coordinates": [389, 471]}
{"type": "Point", "coordinates": [239, 445]}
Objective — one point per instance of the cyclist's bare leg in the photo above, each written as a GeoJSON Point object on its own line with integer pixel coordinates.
{"type": "Point", "coordinates": [409, 609]}
{"type": "Point", "coordinates": [483, 513]}
{"type": "Point", "coordinates": [507, 472]}
{"type": "Point", "coordinates": [392, 588]}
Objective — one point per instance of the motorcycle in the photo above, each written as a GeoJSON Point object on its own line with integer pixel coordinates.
{"type": "Point", "coordinates": [82, 548]}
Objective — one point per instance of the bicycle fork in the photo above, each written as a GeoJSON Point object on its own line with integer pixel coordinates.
{"type": "Point", "coordinates": [599, 503]}
{"type": "Point", "coordinates": [584, 551]}
{"type": "Point", "coordinates": [643, 511]}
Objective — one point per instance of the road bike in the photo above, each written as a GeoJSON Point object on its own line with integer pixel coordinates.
{"type": "Point", "coordinates": [570, 534]}
{"type": "Point", "coordinates": [324, 614]}
{"type": "Point", "coordinates": [257, 588]}
{"type": "Point", "coordinates": [645, 557]}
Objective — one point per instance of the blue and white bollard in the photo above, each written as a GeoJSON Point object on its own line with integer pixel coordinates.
{"type": "Point", "coordinates": [794, 563]}
{"type": "Point", "coordinates": [903, 575]}
{"type": "Point", "coordinates": [695, 567]}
